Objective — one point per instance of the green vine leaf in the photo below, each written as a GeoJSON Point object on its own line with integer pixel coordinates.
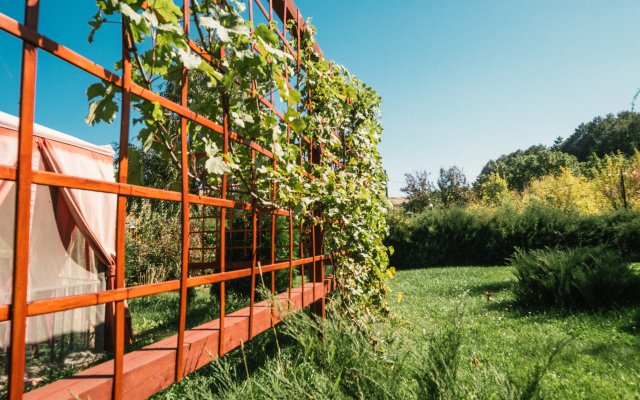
{"type": "Point", "coordinates": [130, 13]}
{"type": "Point", "coordinates": [215, 163]}
{"type": "Point", "coordinates": [330, 106]}
{"type": "Point", "coordinates": [105, 108]}
{"type": "Point", "coordinates": [166, 11]}
{"type": "Point", "coordinates": [293, 118]}
{"type": "Point", "coordinates": [189, 59]}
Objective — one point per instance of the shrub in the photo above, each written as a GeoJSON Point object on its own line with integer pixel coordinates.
{"type": "Point", "coordinates": [483, 236]}
{"type": "Point", "coordinates": [567, 191]}
{"type": "Point", "coordinates": [153, 246]}
{"type": "Point", "coordinates": [494, 190]}
{"type": "Point", "coordinates": [585, 277]}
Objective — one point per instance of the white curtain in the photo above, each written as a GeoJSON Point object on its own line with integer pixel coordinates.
{"type": "Point", "coordinates": [64, 253]}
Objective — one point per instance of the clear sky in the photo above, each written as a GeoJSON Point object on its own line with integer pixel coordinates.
{"type": "Point", "coordinates": [462, 81]}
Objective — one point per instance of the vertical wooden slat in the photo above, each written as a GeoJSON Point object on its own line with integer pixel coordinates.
{"type": "Point", "coordinates": [300, 141]}
{"type": "Point", "coordinates": [223, 217]}
{"type": "Point", "coordinates": [22, 227]}
{"type": "Point", "coordinates": [313, 254]}
{"type": "Point", "coordinates": [23, 213]}
{"type": "Point", "coordinates": [184, 148]}
{"type": "Point", "coordinates": [284, 21]}
{"type": "Point", "coordinates": [254, 247]}
{"type": "Point", "coordinates": [274, 197]}
{"type": "Point", "coordinates": [203, 230]}
{"type": "Point", "coordinates": [274, 223]}
{"type": "Point", "coordinates": [317, 246]}
{"type": "Point", "coordinates": [290, 254]}
{"type": "Point", "coordinates": [121, 215]}
{"type": "Point", "coordinates": [302, 267]}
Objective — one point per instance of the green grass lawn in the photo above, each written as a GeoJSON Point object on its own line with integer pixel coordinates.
{"type": "Point", "coordinates": [600, 361]}
{"type": "Point", "coordinates": [600, 358]}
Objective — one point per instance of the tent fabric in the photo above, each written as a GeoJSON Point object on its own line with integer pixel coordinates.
{"type": "Point", "coordinates": [72, 232]}
{"type": "Point", "coordinates": [94, 212]}
{"type": "Point", "coordinates": [11, 122]}
{"type": "Point", "coordinates": [54, 272]}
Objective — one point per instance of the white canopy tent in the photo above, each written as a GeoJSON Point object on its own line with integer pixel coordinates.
{"type": "Point", "coordinates": [72, 249]}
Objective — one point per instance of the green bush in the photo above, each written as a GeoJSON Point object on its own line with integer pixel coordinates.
{"type": "Point", "coordinates": [585, 277]}
{"type": "Point", "coordinates": [458, 236]}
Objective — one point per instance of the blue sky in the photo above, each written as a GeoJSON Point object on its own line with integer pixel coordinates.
{"type": "Point", "coordinates": [462, 81]}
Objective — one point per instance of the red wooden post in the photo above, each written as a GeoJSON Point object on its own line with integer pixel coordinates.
{"type": "Point", "coordinates": [184, 164]}
{"type": "Point", "coordinates": [290, 254]}
{"type": "Point", "coordinates": [254, 248]}
{"type": "Point", "coordinates": [318, 306]}
{"type": "Point", "coordinates": [25, 177]}
{"type": "Point", "coordinates": [22, 234]}
{"type": "Point", "coordinates": [223, 220]}
{"type": "Point", "coordinates": [123, 168]}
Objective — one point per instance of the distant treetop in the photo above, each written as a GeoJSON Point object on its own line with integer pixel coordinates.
{"type": "Point", "coordinates": [604, 135]}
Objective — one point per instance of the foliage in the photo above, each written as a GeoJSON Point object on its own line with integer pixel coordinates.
{"type": "Point", "coordinates": [453, 187]}
{"type": "Point", "coordinates": [152, 247]}
{"type": "Point", "coordinates": [334, 359]}
{"type": "Point", "coordinates": [486, 236]}
{"type": "Point", "coordinates": [494, 190]}
{"type": "Point", "coordinates": [604, 135]}
{"type": "Point", "coordinates": [452, 190]}
{"type": "Point", "coordinates": [568, 193]}
{"type": "Point", "coordinates": [592, 159]}
{"type": "Point", "coordinates": [590, 277]}
{"type": "Point", "coordinates": [596, 186]}
{"type": "Point", "coordinates": [329, 106]}
{"type": "Point", "coordinates": [523, 166]}
{"type": "Point", "coordinates": [610, 171]}
{"type": "Point", "coordinates": [599, 150]}
{"type": "Point", "coordinates": [421, 192]}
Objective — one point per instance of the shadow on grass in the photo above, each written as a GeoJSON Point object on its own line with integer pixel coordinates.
{"type": "Point", "coordinates": [514, 309]}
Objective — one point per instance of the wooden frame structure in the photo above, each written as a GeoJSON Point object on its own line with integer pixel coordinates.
{"type": "Point", "coordinates": [141, 373]}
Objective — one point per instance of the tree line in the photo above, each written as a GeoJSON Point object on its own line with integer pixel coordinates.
{"type": "Point", "coordinates": [596, 168]}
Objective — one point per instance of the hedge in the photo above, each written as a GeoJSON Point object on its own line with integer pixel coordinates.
{"type": "Point", "coordinates": [458, 236]}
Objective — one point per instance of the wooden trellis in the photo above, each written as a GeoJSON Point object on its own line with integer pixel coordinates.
{"type": "Point", "coordinates": [220, 224]}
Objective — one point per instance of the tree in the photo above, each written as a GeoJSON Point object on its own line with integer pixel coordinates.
{"type": "Point", "coordinates": [605, 135]}
{"type": "Point", "coordinates": [494, 191]}
{"type": "Point", "coordinates": [421, 192]}
{"type": "Point", "coordinates": [523, 166]}
{"type": "Point", "coordinates": [453, 186]}
{"type": "Point", "coordinates": [567, 192]}
{"type": "Point", "coordinates": [611, 171]}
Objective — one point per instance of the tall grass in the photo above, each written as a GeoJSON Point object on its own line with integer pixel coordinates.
{"type": "Point", "coordinates": [336, 358]}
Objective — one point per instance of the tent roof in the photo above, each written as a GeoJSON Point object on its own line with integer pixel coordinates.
{"type": "Point", "coordinates": [12, 122]}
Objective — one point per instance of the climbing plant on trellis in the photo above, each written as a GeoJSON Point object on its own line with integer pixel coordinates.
{"type": "Point", "coordinates": [262, 128]}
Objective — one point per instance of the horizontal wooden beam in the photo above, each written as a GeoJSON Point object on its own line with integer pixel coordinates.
{"type": "Point", "coordinates": [152, 368]}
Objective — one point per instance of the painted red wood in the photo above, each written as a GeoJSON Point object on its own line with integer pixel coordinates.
{"type": "Point", "coordinates": [151, 369]}
{"type": "Point", "coordinates": [186, 209]}
{"type": "Point", "coordinates": [142, 373]}
{"type": "Point", "coordinates": [23, 208]}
